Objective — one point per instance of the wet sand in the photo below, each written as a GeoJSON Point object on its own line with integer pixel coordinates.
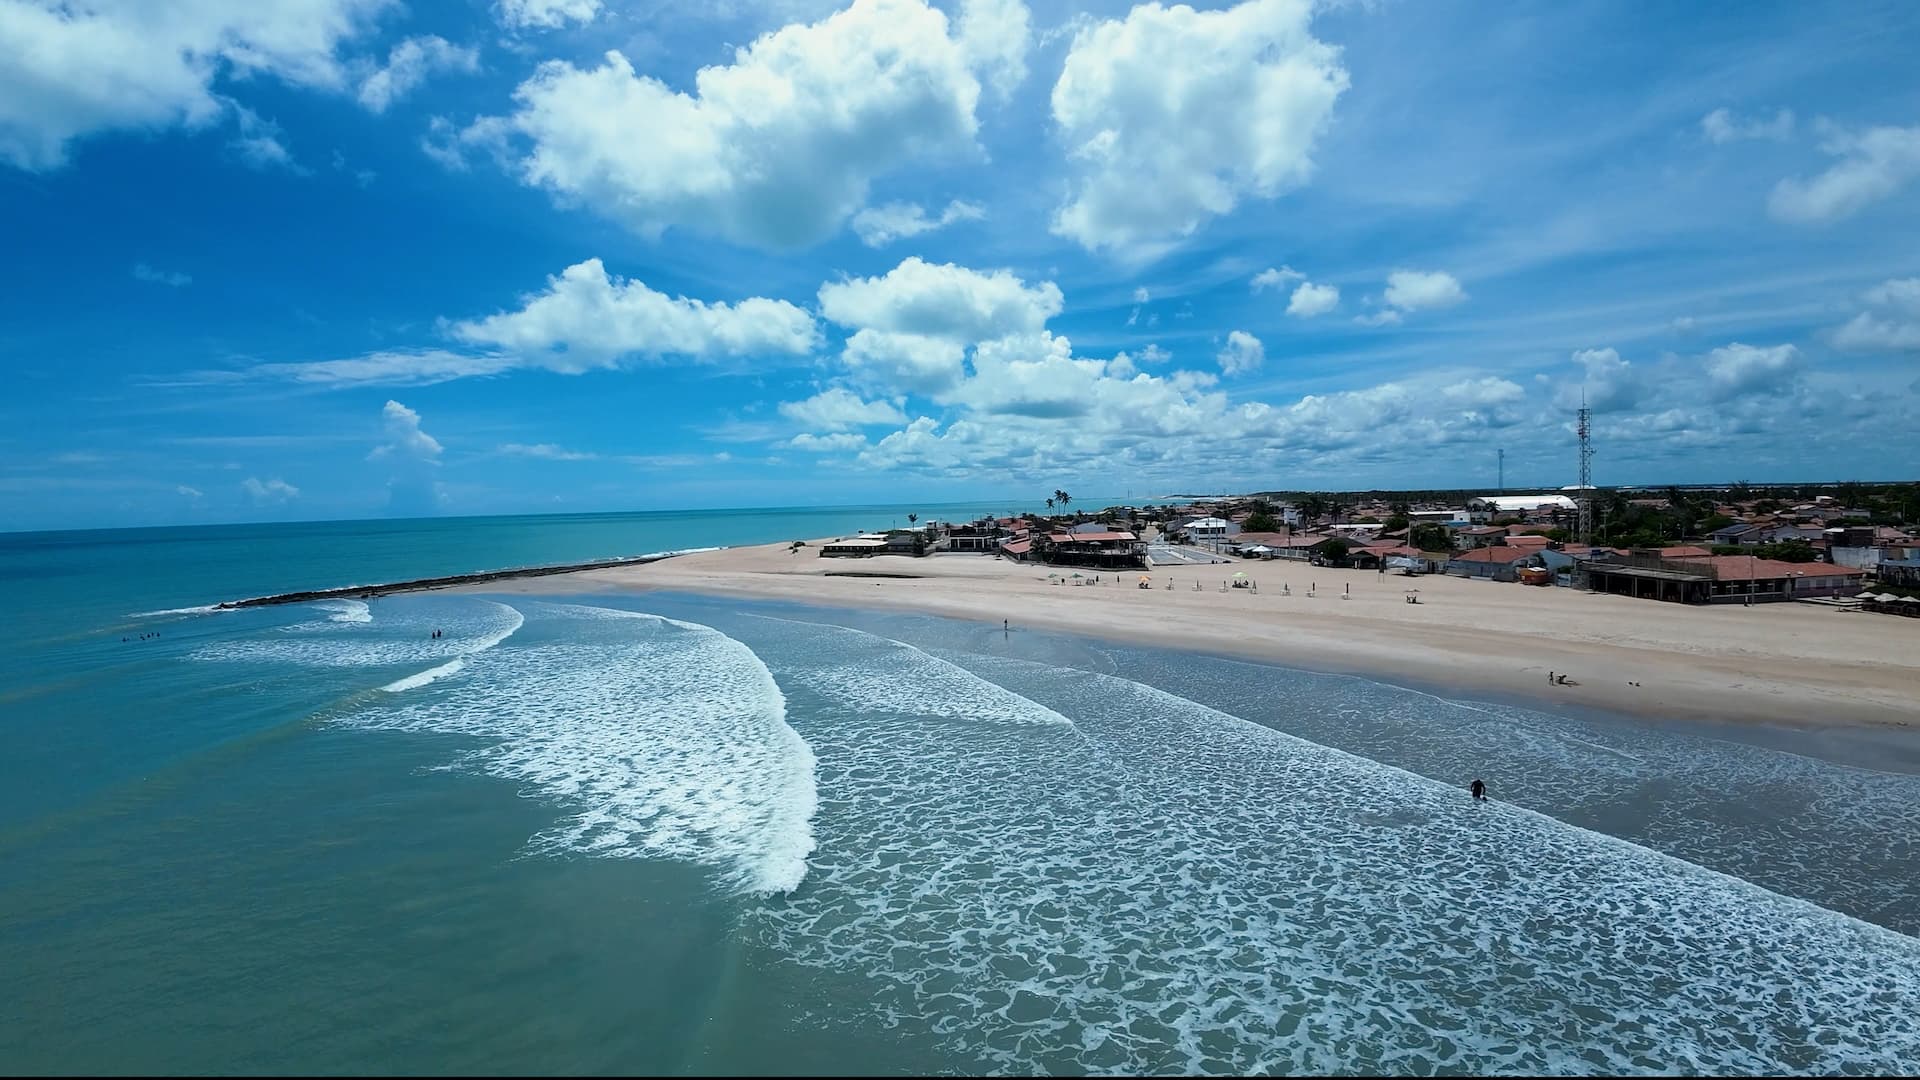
{"type": "Point", "coordinates": [1786, 664]}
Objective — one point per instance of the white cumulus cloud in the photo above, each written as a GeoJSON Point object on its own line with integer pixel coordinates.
{"type": "Point", "coordinates": [1738, 370]}
{"type": "Point", "coordinates": [587, 319]}
{"type": "Point", "coordinates": [1610, 384]}
{"type": "Point", "coordinates": [405, 437]}
{"type": "Point", "coordinates": [824, 444]}
{"type": "Point", "coordinates": [546, 14]}
{"type": "Point", "coordinates": [1243, 352]}
{"type": "Point", "coordinates": [878, 226]}
{"type": "Point", "coordinates": [1873, 165]}
{"type": "Point", "coordinates": [838, 409]}
{"type": "Point", "coordinates": [994, 37]}
{"type": "Point", "coordinates": [776, 149]}
{"type": "Point", "coordinates": [1271, 278]}
{"type": "Point", "coordinates": [1415, 290]}
{"type": "Point", "coordinates": [74, 68]}
{"type": "Point", "coordinates": [1894, 325]}
{"type": "Point", "coordinates": [912, 325]}
{"type": "Point", "coordinates": [1171, 116]}
{"type": "Point", "coordinates": [409, 64]}
{"type": "Point", "coordinates": [942, 300]}
{"type": "Point", "coordinates": [1310, 299]}
{"type": "Point", "coordinates": [263, 492]}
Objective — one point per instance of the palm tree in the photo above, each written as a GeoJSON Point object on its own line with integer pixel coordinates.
{"type": "Point", "coordinates": [1065, 499]}
{"type": "Point", "coordinates": [913, 519]}
{"type": "Point", "coordinates": [1049, 504]}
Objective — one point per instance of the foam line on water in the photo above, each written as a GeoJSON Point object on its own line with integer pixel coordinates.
{"type": "Point", "coordinates": [200, 609]}
{"type": "Point", "coordinates": [1836, 834]}
{"type": "Point", "coordinates": [1238, 900]}
{"type": "Point", "coordinates": [660, 738]}
{"type": "Point", "coordinates": [346, 611]}
{"type": "Point", "coordinates": [434, 674]}
{"type": "Point", "coordinates": [401, 638]}
{"type": "Point", "coordinates": [912, 680]}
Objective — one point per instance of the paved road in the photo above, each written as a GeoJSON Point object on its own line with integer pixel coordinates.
{"type": "Point", "coordinates": [1175, 555]}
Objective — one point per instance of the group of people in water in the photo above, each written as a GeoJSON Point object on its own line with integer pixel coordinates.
{"type": "Point", "coordinates": [142, 637]}
{"type": "Point", "coordinates": [436, 635]}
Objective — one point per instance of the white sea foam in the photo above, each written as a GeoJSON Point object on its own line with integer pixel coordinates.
{"type": "Point", "coordinates": [1775, 818]}
{"type": "Point", "coordinates": [1173, 889]}
{"type": "Point", "coordinates": [201, 609]}
{"type": "Point", "coordinates": [662, 738]}
{"type": "Point", "coordinates": [471, 625]}
{"type": "Point", "coordinates": [346, 611]}
{"type": "Point", "coordinates": [434, 674]}
{"type": "Point", "coordinates": [907, 679]}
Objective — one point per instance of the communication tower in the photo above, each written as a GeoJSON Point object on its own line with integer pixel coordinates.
{"type": "Point", "coordinates": [1585, 430]}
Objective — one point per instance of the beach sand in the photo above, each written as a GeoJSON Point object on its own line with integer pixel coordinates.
{"type": "Point", "coordinates": [1788, 664]}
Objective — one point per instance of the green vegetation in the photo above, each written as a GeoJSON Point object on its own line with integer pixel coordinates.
{"type": "Point", "coordinates": [1785, 551]}
{"type": "Point", "coordinates": [1429, 536]}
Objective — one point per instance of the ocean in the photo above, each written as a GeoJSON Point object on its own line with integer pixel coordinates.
{"type": "Point", "coordinates": [668, 833]}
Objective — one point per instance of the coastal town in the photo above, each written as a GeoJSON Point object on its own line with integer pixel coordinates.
{"type": "Point", "coordinates": [1852, 547]}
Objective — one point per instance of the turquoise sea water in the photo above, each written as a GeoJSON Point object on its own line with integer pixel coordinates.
{"type": "Point", "coordinates": [679, 834]}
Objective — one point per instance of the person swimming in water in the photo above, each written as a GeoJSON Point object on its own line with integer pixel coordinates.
{"type": "Point", "coordinates": [1480, 790]}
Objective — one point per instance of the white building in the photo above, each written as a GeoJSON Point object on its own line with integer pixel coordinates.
{"type": "Point", "coordinates": [1488, 506]}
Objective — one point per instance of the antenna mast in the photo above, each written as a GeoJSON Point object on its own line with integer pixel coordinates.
{"type": "Point", "coordinates": [1585, 430]}
{"type": "Point", "coordinates": [1503, 472]}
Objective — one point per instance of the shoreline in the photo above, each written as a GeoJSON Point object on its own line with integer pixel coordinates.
{"type": "Point", "coordinates": [1783, 665]}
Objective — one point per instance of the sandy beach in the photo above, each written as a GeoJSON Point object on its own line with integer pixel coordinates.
{"type": "Point", "coordinates": [1791, 664]}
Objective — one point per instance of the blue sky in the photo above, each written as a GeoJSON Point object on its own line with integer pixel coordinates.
{"type": "Point", "coordinates": [349, 258]}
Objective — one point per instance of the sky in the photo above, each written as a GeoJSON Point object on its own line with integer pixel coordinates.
{"type": "Point", "coordinates": [357, 258]}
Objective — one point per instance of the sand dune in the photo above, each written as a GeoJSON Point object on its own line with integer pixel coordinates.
{"type": "Point", "coordinates": [1794, 664]}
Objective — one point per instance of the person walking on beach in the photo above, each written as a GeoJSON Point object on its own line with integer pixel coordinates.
{"type": "Point", "coordinates": [1479, 788]}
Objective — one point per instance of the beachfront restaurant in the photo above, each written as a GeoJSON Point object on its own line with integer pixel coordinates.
{"type": "Point", "coordinates": [1721, 579]}
{"type": "Point", "coordinates": [1103, 550]}
{"type": "Point", "coordinates": [855, 547]}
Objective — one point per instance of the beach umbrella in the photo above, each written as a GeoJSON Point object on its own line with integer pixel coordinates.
{"type": "Point", "coordinates": [1077, 573]}
{"type": "Point", "coordinates": [1239, 573]}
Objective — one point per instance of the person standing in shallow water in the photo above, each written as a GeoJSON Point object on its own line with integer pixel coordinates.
{"type": "Point", "coordinates": [1479, 788]}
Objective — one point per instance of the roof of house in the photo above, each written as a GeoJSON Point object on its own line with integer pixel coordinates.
{"type": "Point", "coordinates": [1744, 568]}
{"type": "Point", "coordinates": [1494, 555]}
{"type": "Point", "coordinates": [1384, 550]}
{"type": "Point", "coordinates": [1531, 541]}
{"type": "Point", "coordinates": [1065, 537]}
{"type": "Point", "coordinates": [1684, 551]}
{"type": "Point", "coordinates": [862, 542]}
{"type": "Point", "coordinates": [1017, 547]}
